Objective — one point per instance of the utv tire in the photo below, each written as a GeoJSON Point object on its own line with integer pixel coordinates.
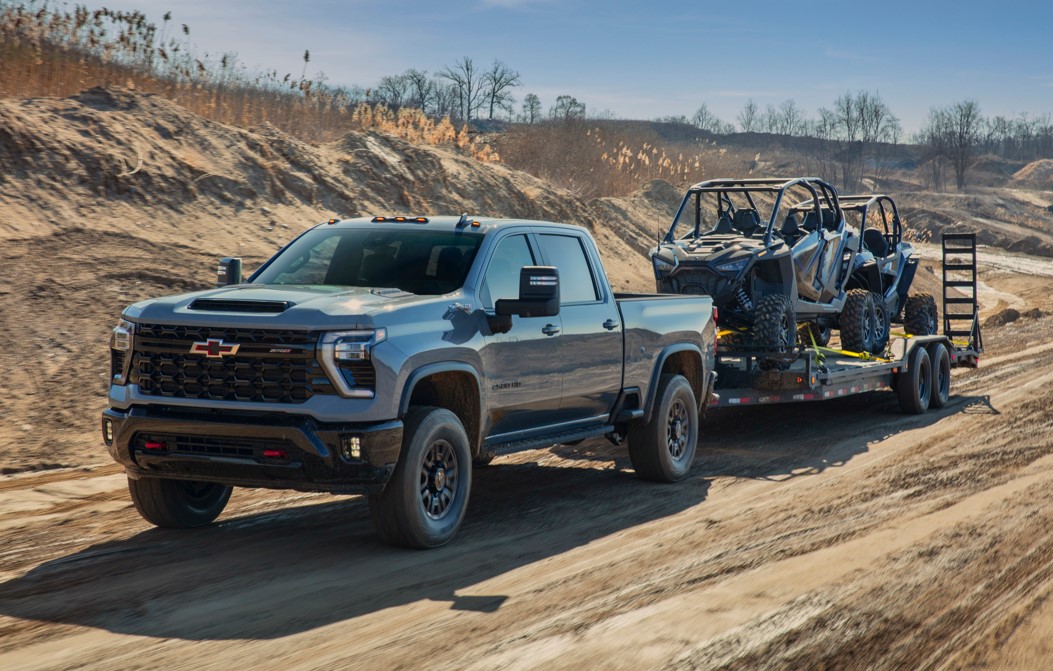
{"type": "Point", "coordinates": [914, 386]}
{"type": "Point", "coordinates": [178, 504]}
{"type": "Point", "coordinates": [425, 500]}
{"type": "Point", "coordinates": [920, 316]}
{"type": "Point", "coordinates": [663, 449]}
{"type": "Point", "coordinates": [882, 324]}
{"type": "Point", "coordinates": [774, 328]}
{"type": "Point", "coordinates": [940, 359]}
{"type": "Point", "coordinates": [856, 321]}
{"type": "Point", "coordinates": [819, 334]}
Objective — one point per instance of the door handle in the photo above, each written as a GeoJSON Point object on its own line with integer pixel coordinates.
{"type": "Point", "coordinates": [550, 329]}
{"type": "Point", "coordinates": [610, 324]}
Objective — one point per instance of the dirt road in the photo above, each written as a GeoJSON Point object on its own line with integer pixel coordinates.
{"type": "Point", "coordinates": [837, 535]}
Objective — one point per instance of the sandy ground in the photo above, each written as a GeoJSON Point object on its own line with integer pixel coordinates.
{"type": "Point", "coordinates": [835, 535]}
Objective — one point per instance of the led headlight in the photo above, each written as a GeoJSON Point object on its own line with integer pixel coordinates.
{"type": "Point", "coordinates": [733, 266]}
{"type": "Point", "coordinates": [339, 348]}
{"type": "Point", "coordinates": [121, 336]}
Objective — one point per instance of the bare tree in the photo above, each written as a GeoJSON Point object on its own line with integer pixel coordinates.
{"type": "Point", "coordinates": [748, 117]}
{"type": "Point", "coordinates": [497, 83]}
{"type": "Point", "coordinates": [791, 118]}
{"type": "Point", "coordinates": [421, 88]}
{"type": "Point", "coordinates": [770, 120]}
{"type": "Point", "coordinates": [567, 108]}
{"type": "Point", "coordinates": [708, 121]}
{"type": "Point", "coordinates": [855, 130]}
{"type": "Point", "coordinates": [467, 82]}
{"type": "Point", "coordinates": [392, 90]}
{"type": "Point", "coordinates": [964, 127]}
{"type": "Point", "coordinates": [531, 108]}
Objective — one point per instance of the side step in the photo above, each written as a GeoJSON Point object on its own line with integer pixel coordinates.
{"type": "Point", "coordinates": [961, 310]}
{"type": "Point", "coordinates": [551, 439]}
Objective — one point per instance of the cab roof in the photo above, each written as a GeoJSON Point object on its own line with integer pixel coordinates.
{"type": "Point", "coordinates": [464, 223]}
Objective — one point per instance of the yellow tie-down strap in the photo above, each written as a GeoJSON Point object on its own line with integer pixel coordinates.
{"type": "Point", "coordinates": [956, 343]}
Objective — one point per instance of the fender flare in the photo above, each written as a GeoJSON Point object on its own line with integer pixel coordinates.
{"type": "Point", "coordinates": [656, 373]}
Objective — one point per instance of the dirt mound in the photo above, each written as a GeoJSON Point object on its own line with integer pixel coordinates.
{"type": "Point", "coordinates": [1007, 316]}
{"type": "Point", "coordinates": [1036, 173]}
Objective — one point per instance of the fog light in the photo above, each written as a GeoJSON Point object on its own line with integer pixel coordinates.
{"type": "Point", "coordinates": [351, 447]}
{"type": "Point", "coordinates": [107, 431]}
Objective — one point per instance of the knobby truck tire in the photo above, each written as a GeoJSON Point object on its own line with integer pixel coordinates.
{"type": "Point", "coordinates": [178, 504]}
{"type": "Point", "coordinates": [663, 448]}
{"type": "Point", "coordinates": [774, 327]}
{"type": "Point", "coordinates": [856, 321]}
{"type": "Point", "coordinates": [920, 316]}
{"type": "Point", "coordinates": [425, 500]}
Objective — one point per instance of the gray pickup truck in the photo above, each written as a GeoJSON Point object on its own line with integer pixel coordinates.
{"type": "Point", "coordinates": [387, 356]}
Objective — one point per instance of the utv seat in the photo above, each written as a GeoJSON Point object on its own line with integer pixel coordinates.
{"type": "Point", "coordinates": [746, 222]}
{"type": "Point", "coordinates": [875, 242]}
{"type": "Point", "coordinates": [811, 222]}
{"type": "Point", "coordinates": [790, 230]}
{"type": "Point", "coordinates": [830, 223]}
{"type": "Point", "coordinates": [723, 226]}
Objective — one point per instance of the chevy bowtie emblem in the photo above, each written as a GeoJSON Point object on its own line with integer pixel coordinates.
{"type": "Point", "coordinates": [214, 349]}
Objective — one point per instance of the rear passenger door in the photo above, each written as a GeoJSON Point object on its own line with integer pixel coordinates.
{"type": "Point", "coordinates": [592, 330]}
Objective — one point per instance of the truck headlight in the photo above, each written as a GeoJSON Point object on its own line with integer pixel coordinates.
{"type": "Point", "coordinates": [121, 336]}
{"type": "Point", "coordinates": [733, 267]}
{"type": "Point", "coordinates": [344, 349]}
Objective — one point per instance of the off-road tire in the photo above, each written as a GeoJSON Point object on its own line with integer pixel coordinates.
{"type": "Point", "coordinates": [663, 449]}
{"type": "Point", "coordinates": [940, 359]}
{"type": "Point", "coordinates": [882, 324]}
{"type": "Point", "coordinates": [914, 386]}
{"type": "Point", "coordinates": [178, 504]}
{"type": "Point", "coordinates": [425, 500]}
{"type": "Point", "coordinates": [819, 334]}
{"type": "Point", "coordinates": [920, 316]}
{"type": "Point", "coordinates": [774, 328]}
{"type": "Point", "coordinates": [856, 321]}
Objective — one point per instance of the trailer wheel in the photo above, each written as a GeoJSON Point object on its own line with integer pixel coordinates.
{"type": "Point", "coordinates": [940, 359]}
{"type": "Point", "coordinates": [774, 328]}
{"type": "Point", "coordinates": [424, 502]}
{"type": "Point", "coordinates": [178, 504]}
{"type": "Point", "coordinates": [663, 448]}
{"type": "Point", "coordinates": [920, 316]}
{"type": "Point", "coordinates": [856, 321]}
{"type": "Point", "coordinates": [914, 386]}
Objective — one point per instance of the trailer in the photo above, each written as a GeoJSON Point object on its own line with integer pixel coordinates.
{"type": "Point", "coordinates": [916, 367]}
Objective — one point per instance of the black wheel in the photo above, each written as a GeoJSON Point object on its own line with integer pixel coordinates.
{"type": "Point", "coordinates": [882, 324]}
{"type": "Point", "coordinates": [856, 321]}
{"type": "Point", "coordinates": [663, 448]}
{"type": "Point", "coordinates": [178, 504]}
{"type": "Point", "coordinates": [814, 332]}
{"type": "Point", "coordinates": [940, 359]}
{"type": "Point", "coordinates": [920, 316]}
{"type": "Point", "coordinates": [774, 327]}
{"type": "Point", "coordinates": [914, 386]}
{"type": "Point", "coordinates": [424, 502]}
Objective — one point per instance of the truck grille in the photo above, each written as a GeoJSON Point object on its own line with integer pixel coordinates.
{"type": "Point", "coordinates": [269, 366]}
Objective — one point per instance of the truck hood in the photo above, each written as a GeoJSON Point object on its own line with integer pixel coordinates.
{"type": "Point", "coordinates": [269, 306]}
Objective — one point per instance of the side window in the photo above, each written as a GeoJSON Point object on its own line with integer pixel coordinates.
{"type": "Point", "coordinates": [502, 275]}
{"type": "Point", "coordinates": [576, 283]}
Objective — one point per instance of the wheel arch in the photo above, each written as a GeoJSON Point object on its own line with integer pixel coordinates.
{"type": "Point", "coordinates": [451, 385]}
{"type": "Point", "coordinates": [683, 359]}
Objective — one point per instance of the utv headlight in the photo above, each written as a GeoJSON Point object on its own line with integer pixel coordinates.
{"type": "Point", "coordinates": [733, 267]}
{"type": "Point", "coordinates": [340, 349]}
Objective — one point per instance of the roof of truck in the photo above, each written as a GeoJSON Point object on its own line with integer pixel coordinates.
{"type": "Point", "coordinates": [443, 223]}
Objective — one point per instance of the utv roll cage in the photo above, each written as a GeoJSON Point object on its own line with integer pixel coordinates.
{"type": "Point", "coordinates": [880, 241]}
{"type": "Point", "coordinates": [747, 220]}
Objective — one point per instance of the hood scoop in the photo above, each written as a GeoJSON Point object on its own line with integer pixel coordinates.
{"type": "Point", "coordinates": [232, 305]}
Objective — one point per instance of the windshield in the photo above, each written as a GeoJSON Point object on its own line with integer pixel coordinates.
{"type": "Point", "coordinates": [418, 261]}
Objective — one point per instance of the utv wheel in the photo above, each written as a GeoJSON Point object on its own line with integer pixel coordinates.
{"type": "Point", "coordinates": [920, 316]}
{"type": "Point", "coordinates": [940, 360]}
{"type": "Point", "coordinates": [856, 321]}
{"type": "Point", "coordinates": [882, 324]}
{"type": "Point", "coordinates": [774, 328]}
{"type": "Point", "coordinates": [663, 449]}
{"type": "Point", "coordinates": [914, 386]}
{"type": "Point", "coordinates": [424, 502]}
{"type": "Point", "coordinates": [816, 333]}
{"type": "Point", "coordinates": [178, 504]}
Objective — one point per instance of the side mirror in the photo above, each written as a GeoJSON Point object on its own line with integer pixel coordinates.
{"type": "Point", "coordinates": [538, 294]}
{"type": "Point", "coordinates": [229, 271]}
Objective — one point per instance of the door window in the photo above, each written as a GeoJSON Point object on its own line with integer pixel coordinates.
{"type": "Point", "coordinates": [576, 282]}
{"type": "Point", "coordinates": [502, 275]}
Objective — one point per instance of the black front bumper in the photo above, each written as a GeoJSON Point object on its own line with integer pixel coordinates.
{"type": "Point", "coordinates": [276, 451]}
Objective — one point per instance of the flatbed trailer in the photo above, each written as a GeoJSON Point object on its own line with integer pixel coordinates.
{"type": "Point", "coordinates": [916, 367]}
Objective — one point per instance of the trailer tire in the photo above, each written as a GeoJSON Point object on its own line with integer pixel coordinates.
{"type": "Point", "coordinates": [920, 316]}
{"type": "Point", "coordinates": [940, 359]}
{"type": "Point", "coordinates": [774, 328]}
{"type": "Point", "coordinates": [425, 500]}
{"type": "Point", "coordinates": [178, 504]}
{"type": "Point", "coordinates": [663, 449]}
{"type": "Point", "coordinates": [856, 321]}
{"type": "Point", "coordinates": [914, 386]}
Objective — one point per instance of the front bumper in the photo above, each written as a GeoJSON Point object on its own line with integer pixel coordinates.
{"type": "Point", "coordinates": [274, 450]}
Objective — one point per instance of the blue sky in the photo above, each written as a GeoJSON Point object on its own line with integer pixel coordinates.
{"type": "Point", "coordinates": [660, 57]}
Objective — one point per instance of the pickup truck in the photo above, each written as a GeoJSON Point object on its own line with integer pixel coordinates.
{"type": "Point", "coordinates": [387, 356]}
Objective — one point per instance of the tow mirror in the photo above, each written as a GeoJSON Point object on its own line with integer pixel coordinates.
{"type": "Point", "coordinates": [229, 271]}
{"type": "Point", "coordinates": [538, 294]}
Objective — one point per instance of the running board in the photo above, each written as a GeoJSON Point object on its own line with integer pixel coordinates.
{"type": "Point", "coordinates": [551, 439]}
